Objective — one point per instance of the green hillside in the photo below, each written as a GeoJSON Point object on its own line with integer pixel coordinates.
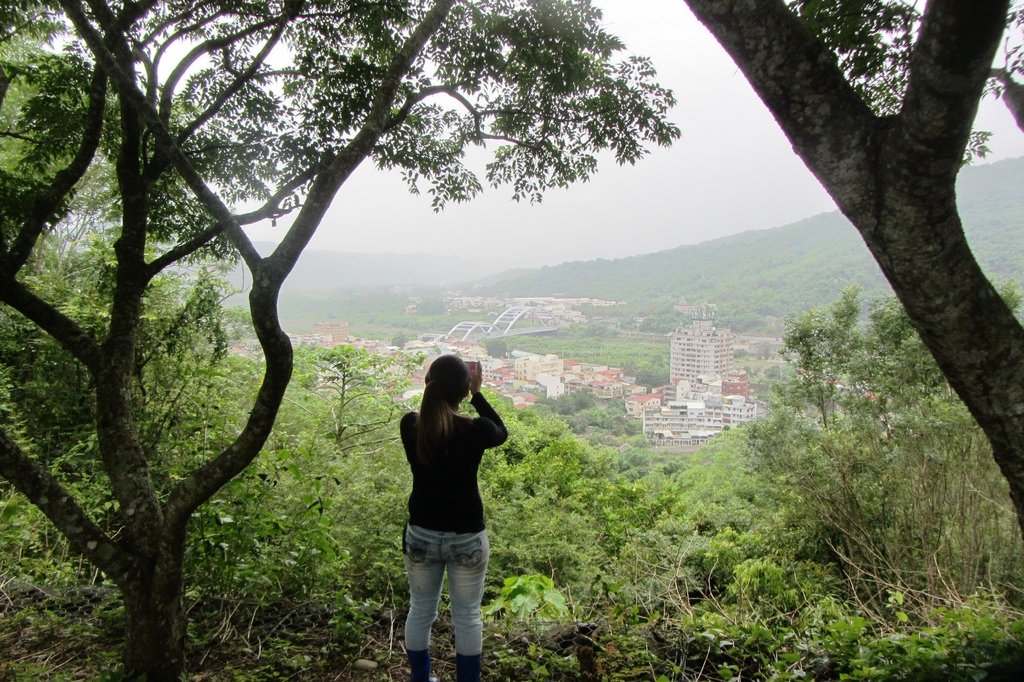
{"type": "Point", "coordinates": [782, 270]}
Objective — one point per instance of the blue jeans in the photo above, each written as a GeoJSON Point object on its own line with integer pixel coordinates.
{"type": "Point", "coordinates": [428, 554]}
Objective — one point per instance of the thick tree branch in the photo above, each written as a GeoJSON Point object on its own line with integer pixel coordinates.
{"type": "Point", "coordinates": [949, 67]}
{"type": "Point", "coordinates": [123, 458]}
{"type": "Point", "coordinates": [45, 492]}
{"type": "Point", "coordinates": [46, 204]}
{"type": "Point", "coordinates": [800, 82]}
{"type": "Point", "coordinates": [50, 320]}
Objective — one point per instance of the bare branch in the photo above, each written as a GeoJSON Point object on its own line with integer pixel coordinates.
{"type": "Point", "coordinates": [202, 50]}
{"type": "Point", "coordinates": [45, 492]}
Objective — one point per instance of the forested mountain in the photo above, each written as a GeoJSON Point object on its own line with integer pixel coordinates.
{"type": "Point", "coordinates": [785, 269]}
{"type": "Point", "coordinates": [752, 274]}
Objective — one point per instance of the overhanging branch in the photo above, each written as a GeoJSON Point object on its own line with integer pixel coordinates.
{"type": "Point", "coordinates": [44, 491]}
{"type": "Point", "coordinates": [201, 484]}
{"type": "Point", "coordinates": [326, 186]}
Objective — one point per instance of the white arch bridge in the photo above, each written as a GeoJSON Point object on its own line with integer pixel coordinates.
{"type": "Point", "coordinates": [515, 320]}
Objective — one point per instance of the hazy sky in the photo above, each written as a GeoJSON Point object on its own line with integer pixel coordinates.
{"type": "Point", "coordinates": [731, 171]}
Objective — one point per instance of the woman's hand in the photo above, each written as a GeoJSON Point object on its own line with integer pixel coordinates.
{"type": "Point", "coordinates": [476, 376]}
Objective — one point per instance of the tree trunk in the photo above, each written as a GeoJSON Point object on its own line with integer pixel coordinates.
{"type": "Point", "coordinates": [156, 623]}
{"type": "Point", "coordinates": [973, 336]}
{"type": "Point", "coordinates": [894, 178]}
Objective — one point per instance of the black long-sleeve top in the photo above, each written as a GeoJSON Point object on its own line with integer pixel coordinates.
{"type": "Point", "coordinates": [445, 495]}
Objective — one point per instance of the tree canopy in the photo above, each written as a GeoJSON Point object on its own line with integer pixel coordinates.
{"type": "Point", "coordinates": [197, 119]}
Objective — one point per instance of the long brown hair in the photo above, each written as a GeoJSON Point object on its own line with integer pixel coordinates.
{"type": "Point", "coordinates": [447, 383]}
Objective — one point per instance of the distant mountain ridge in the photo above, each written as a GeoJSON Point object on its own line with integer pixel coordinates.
{"type": "Point", "coordinates": [790, 268]}
{"type": "Point", "coordinates": [753, 274]}
{"type": "Point", "coordinates": [321, 270]}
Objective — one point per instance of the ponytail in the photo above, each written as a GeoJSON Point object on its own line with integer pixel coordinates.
{"type": "Point", "coordinates": [435, 425]}
{"type": "Point", "coordinates": [447, 383]}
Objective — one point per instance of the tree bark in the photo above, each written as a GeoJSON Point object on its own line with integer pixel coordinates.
{"type": "Point", "coordinates": [894, 178]}
{"type": "Point", "coordinates": [156, 623]}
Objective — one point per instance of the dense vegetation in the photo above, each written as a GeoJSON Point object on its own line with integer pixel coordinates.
{"type": "Point", "coordinates": [861, 532]}
{"type": "Point", "coordinates": [192, 120]}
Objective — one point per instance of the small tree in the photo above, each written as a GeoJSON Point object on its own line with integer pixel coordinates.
{"type": "Point", "coordinates": [200, 108]}
{"type": "Point", "coordinates": [882, 459]}
{"type": "Point", "coordinates": [879, 100]}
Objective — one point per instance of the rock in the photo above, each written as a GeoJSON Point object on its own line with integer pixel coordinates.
{"type": "Point", "coordinates": [364, 665]}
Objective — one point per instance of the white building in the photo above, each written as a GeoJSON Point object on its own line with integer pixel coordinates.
{"type": "Point", "coordinates": [554, 385]}
{"type": "Point", "coordinates": [700, 349]}
{"type": "Point", "coordinates": [681, 419]}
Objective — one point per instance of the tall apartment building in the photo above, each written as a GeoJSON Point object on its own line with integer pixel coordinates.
{"type": "Point", "coordinates": [700, 349]}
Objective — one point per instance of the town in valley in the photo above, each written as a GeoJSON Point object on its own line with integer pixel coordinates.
{"type": "Point", "coordinates": [703, 394]}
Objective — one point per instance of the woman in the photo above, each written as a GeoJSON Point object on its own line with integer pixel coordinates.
{"type": "Point", "coordinates": [446, 516]}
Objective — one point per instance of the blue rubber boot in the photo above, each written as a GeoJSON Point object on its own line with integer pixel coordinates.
{"type": "Point", "coordinates": [467, 668]}
{"type": "Point", "coordinates": [419, 664]}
